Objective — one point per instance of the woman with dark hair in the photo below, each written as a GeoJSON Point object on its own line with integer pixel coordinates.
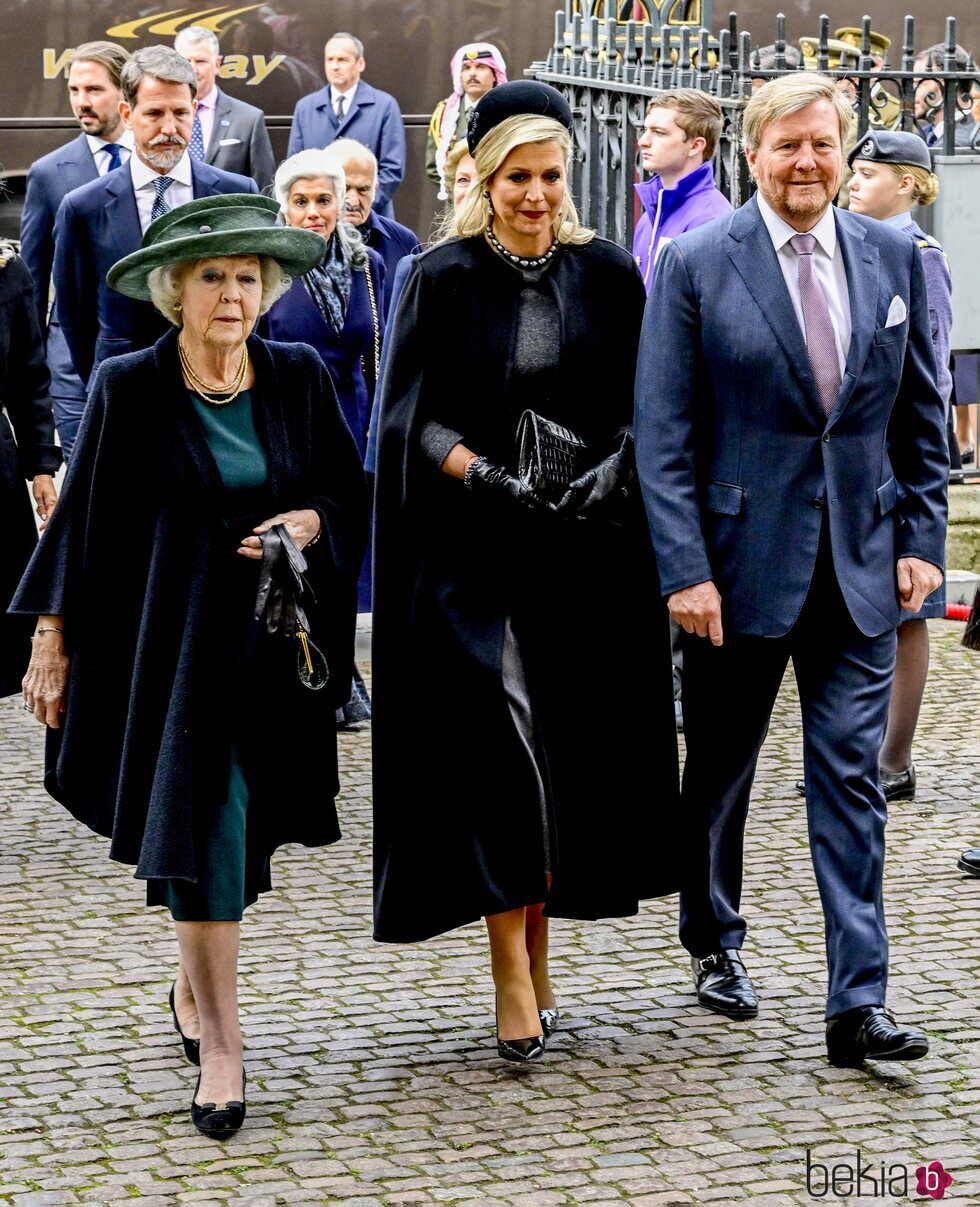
{"type": "Point", "coordinates": [504, 582]}
{"type": "Point", "coordinates": [189, 730]}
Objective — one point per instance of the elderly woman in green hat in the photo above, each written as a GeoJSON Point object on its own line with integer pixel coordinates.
{"type": "Point", "coordinates": [178, 726]}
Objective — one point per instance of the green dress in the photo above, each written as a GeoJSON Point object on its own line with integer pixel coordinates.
{"type": "Point", "coordinates": [230, 874]}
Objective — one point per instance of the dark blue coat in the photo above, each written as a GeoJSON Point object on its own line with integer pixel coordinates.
{"type": "Point", "coordinates": [392, 242]}
{"type": "Point", "coordinates": [737, 459]}
{"type": "Point", "coordinates": [296, 319]}
{"type": "Point", "coordinates": [374, 120]}
{"type": "Point", "coordinates": [97, 225]}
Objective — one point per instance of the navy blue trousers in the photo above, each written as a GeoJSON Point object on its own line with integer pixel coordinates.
{"type": "Point", "coordinates": [844, 681]}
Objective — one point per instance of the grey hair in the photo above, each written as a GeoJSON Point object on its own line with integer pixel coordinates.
{"type": "Point", "coordinates": [358, 44]}
{"type": "Point", "coordinates": [350, 148]}
{"type": "Point", "coordinates": [162, 63]}
{"type": "Point", "coordinates": [166, 284]}
{"type": "Point", "coordinates": [194, 35]}
{"type": "Point", "coordinates": [325, 162]}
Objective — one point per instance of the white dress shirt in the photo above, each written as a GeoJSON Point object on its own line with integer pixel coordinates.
{"type": "Point", "coordinates": [348, 99]}
{"type": "Point", "coordinates": [144, 178]}
{"type": "Point", "coordinates": [205, 111]}
{"type": "Point", "coordinates": [97, 147]}
{"type": "Point", "coordinates": [828, 264]}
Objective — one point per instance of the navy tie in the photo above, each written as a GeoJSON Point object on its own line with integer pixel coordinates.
{"type": "Point", "coordinates": [115, 155]}
{"type": "Point", "coordinates": [160, 207]}
{"type": "Point", "coordinates": [196, 147]}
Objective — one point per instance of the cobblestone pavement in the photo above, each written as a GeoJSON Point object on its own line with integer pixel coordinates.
{"type": "Point", "coordinates": [372, 1078]}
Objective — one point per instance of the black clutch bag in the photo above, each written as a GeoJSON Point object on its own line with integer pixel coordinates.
{"type": "Point", "coordinates": [549, 456]}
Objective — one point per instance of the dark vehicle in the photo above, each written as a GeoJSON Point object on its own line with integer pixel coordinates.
{"type": "Point", "coordinates": [273, 55]}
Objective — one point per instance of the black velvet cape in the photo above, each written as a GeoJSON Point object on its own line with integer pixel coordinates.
{"type": "Point", "coordinates": [457, 821]}
{"type": "Point", "coordinates": [27, 448]}
{"type": "Point", "coordinates": [140, 560]}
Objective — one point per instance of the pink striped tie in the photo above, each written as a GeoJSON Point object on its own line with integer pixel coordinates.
{"type": "Point", "coordinates": [821, 342]}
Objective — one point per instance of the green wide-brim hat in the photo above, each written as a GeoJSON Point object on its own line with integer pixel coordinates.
{"type": "Point", "coordinates": [230, 224]}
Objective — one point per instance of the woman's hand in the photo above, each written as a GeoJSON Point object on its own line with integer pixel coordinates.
{"type": "Point", "coordinates": [595, 486]}
{"type": "Point", "coordinates": [47, 674]}
{"type": "Point", "coordinates": [302, 526]}
{"type": "Point", "coordinates": [45, 496]}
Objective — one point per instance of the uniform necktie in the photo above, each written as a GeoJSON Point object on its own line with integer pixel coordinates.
{"type": "Point", "coordinates": [821, 342]}
{"type": "Point", "coordinates": [160, 207]}
{"type": "Point", "coordinates": [340, 108]}
{"type": "Point", "coordinates": [196, 145]}
{"type": "Point", "coordinates": [115, 155]}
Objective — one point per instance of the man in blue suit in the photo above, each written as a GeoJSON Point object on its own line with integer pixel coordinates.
{"type": "Point", "coordinates": [105, 220]}
{"type": "Point", "coordinates": [791, 447]}
{"type": "Point", "coordinates": [104, 144]}
{"type": "Point", "coordinates": [350, 108]}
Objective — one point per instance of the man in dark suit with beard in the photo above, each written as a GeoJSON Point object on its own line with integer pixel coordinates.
{"type": "Point", "coordinates": [103, 221]}
{"type": "Point", "coordinates": [103, 145]}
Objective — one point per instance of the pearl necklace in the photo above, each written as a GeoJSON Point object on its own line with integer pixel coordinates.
{"type": "Point", "coordinates": [521, 261]}
{"type": "Point", "coordinates": [203, 389]}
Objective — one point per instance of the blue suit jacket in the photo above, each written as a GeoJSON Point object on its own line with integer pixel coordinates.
{"type": "Point", "coordinates": [97, 225]}
{"type": "Point", "coordinates": [738, 461]}
{"type": "Point", "coordinates": [374, 120]}
{"type": "Point", "coordinates": [296, 319]}
{"type": "Point", "coordinates": [51, 177]}
{"type": "Point", "coordinates": [392, 242]}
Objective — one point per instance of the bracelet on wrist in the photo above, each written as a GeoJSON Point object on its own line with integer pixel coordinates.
{"type": "Point", "coordinates": [50, 628]}
{"type": "Point", "coordinates": [470, 469]}
{"type": "Point", "coordinates": [310, 544]}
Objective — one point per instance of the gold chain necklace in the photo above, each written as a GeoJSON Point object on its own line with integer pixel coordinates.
{"type": "Point", "coordinates": [203, 389]}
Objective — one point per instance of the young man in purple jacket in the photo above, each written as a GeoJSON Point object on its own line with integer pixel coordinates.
{"type": "Point", "coordinates": [681, 130]}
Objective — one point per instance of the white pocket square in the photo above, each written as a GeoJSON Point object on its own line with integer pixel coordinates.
{"type": "Point", "coordinates": [232, 142]}
{"type": "Point", "coordinates": [896, 312]}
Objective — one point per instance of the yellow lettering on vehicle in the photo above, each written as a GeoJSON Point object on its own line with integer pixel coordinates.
{"type": "Point", "coordinates": [56, 65]}
{"type": "Point", "coordinates": [234, 67]}
{"type": "Point", "coordinates": [262, 69]}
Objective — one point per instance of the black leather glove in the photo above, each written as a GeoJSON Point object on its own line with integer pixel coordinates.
{"type": "Point", "coordinates": [599, 484]}
{"type": "Point", "coordinates": [482, 477]}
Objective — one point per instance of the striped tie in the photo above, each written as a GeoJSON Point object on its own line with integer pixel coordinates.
{"type": "Point", "coordinates": [160, 207]}
{"type": "Point", "coordinates": [821, 342]}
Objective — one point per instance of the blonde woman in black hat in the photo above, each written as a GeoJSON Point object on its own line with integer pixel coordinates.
{"type": "Point", "coordinates": [548, 787]}
{"type": "Point", "coordinates": [178, 727]}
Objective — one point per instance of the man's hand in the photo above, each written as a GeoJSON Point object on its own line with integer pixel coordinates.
{"type": "Point", "coordinates": [916, 579]}
{"type": "Point", "coordinates": [45, 496]}
{"type": "Point", "coordinates": [697, 609]}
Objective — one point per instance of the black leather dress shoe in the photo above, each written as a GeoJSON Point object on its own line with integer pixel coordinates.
{"type": "Point", "coordinates": [549, 1020]}
{"type": "Point", "coordinates": [218, 1119]}
{"type": "Point", "coordinates": [969, 862]}
{"type": "Point", "coordinates": [723, 985]}
{"type": "Point", "coordinates": [899, 785]}
{"type": "Point", "coordinates": [896, 786]}
{"type": "Point", "coordinates": [192, 1047]}
{"type": "Point", "coordinates": [870, 1032]}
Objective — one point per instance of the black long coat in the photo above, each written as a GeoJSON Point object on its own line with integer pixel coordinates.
{"type": "Point", "coordinates": [140, 560]}
{"type": "Point", "coordinates": [457, 823]}
{"type": "Point", "coordinates": [27, 448]}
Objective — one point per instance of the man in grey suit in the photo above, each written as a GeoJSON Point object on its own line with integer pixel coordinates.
{"type": "Point", "coordinates": [228, 134]}
{"type": "Point", "coordinates": [104, 144]}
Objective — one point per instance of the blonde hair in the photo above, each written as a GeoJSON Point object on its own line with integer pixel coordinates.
{"type": "Point", "coordinates": [452, 164]}
{"type": "Point", "coordinates": [925, 190]}
{"type": "Point", "coordinates": [474, 213]}
{"type": "Point", "coordinates": [788, 94]}
{"type": "Point", "coordinates": [698, 115]}
{"type": "Point", "coordinates": [166, 284]}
